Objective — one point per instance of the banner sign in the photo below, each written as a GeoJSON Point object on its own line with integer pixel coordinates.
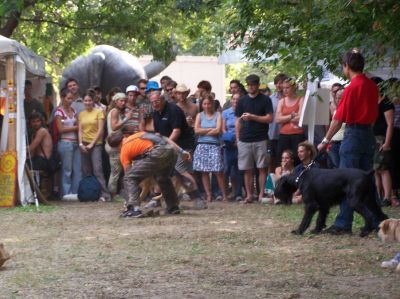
{"type": "Point", "coordinates": [8, 178]}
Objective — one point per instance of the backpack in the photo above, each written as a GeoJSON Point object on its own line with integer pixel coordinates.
{"type": "Point", "coordinates": [89, 189]}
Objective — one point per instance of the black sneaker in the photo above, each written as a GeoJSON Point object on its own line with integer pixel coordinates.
{"type": "Point", "coordinates": [173, 211]}
{"type": "Point", "coordinates": [337, 231]}
{"type": "Point", "coordinates": [131, 213]}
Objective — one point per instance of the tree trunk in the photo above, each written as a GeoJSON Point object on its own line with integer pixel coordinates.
{"type": "Point", "coordinates": [10, 25]}
{"type": "Point", "coordinates": [13, 19]}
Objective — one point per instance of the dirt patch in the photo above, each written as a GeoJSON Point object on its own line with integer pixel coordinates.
{"type": "Point", "coordinates": [228, 251]}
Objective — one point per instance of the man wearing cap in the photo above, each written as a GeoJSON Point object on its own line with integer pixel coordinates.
{"type": "Point", "coordinates": [169, 121]}
{"type": "Point", "coordinates": [153, 156]}
{"type": "Point", "coordinates": [189, 109]}
{"type": "Point", "coordinates": [254, 112]}
{"type": "Point", "coordinates": [132, 110]}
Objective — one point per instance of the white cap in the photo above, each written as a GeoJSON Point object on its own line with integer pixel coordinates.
{"type": "Point", "coordinates": [132, 88]}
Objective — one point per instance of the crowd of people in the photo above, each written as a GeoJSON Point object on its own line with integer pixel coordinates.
{"type": "Point", "coordinates": [237, 152]}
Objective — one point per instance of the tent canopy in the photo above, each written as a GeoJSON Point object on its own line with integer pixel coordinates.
{"type": "Point", "coordinates": [34, 64]}
{"type": "Point", "coordinates": [27, 65]}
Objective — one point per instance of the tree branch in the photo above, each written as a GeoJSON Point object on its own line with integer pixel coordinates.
{"type": "Point", "coordinates": [13, 21]}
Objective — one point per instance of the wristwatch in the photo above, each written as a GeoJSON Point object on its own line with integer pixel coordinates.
{"type": "Point", "coordinates": [325, 140]}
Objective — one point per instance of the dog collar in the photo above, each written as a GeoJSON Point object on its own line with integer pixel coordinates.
{"type": "Point", "coordinates": [303, 171]}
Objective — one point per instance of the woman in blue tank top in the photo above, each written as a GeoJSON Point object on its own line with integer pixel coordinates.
{"type": "Point", "coordinates": [208, 154]}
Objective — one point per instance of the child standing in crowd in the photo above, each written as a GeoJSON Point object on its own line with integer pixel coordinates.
{"type": "Point", "coordinates": [208, 154]}
{"type": "Point", "coordinates": [67, 125]}
{"type": "Point", "coordinates": [91, 127]}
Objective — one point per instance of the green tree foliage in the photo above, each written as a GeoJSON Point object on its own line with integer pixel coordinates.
{"type": "Point", "coordinates": [60, 30]}
{"type": "Point", "coordinates": [304, 32]}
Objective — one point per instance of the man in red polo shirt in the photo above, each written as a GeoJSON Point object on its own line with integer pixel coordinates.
{"type": "Point", "coordinates": [358, 109]}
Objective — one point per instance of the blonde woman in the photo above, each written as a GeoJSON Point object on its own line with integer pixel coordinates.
{"type": "Point", "coordinates": [288, 116]}
{"type": "Point", "coordinates": [115, 121]}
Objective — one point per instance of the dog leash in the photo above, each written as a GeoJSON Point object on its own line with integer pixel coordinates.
{"type": "Point", "coordinates": [303, 171]}
{"type": "Point", "coordinates": [316, 159]}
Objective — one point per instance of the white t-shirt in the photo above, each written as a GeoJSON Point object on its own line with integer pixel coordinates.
{"type": "Point", "coordinates": [67, 122]}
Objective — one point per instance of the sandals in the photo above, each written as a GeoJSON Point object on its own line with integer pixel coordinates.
{"type": "Point", "coordinates": [246, 201]}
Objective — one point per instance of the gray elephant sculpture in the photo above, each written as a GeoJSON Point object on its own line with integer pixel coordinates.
{"type": "Point", "coordinates": [107, 67]}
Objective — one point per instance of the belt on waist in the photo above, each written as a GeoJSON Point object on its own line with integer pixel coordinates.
{"type": "Point", "coordinates": [335, 141]}
{"type": "Point", "coordinates": [358, 126]}
{"type": "Point", "coordinates": [144, 155]}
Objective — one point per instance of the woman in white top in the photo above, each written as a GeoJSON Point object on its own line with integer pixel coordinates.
{"type": "Point", "coordinates": [68, 148]}
{"type": "Point", "coordinates": [115, 120]}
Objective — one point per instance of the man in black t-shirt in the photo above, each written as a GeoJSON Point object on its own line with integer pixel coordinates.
{"type": "Point", "coordinates": [170, 121]}
{"type": "Point", "coordinates": [254, 112]}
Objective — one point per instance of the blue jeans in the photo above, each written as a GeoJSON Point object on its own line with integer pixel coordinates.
{"type": "Point", "coordinates": [356, 151]}
{"type": "Point", "coordinates": [71, 166]}
{"type": "Point", "coordinates": [334, 154]}
{"type": "Point", "coordinates": [231, 169]}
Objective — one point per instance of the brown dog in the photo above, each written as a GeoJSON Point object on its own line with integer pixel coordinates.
{"type": "Point", "coordinates": [389, 231]}
{"type": "Point", "coordinates": [149, 183]}
{"type": "Point", "coordinates": [4, 256]}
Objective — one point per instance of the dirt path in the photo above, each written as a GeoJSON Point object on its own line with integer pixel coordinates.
{"type": "Point", "coordinates": [228, 251]}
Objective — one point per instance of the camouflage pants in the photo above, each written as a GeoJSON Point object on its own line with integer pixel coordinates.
{"type": "Point", "coordinates": [159, 163]}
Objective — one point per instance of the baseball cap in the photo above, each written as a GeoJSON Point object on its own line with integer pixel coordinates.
{"type": "Point", "coordinates": [132, 88]}
{"type": "Point", "coordinates": [152, 85]}
{"type": "Point", "coordinates": [118, 95]}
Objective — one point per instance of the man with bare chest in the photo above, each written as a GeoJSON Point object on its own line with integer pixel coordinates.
{"type": "Point", "coordinates": [189, 109]}
{"type": "Point", "coordinates": [41, 145]}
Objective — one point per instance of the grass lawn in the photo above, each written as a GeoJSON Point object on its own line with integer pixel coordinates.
{"type": "Point", "coordinates": [83, 250]}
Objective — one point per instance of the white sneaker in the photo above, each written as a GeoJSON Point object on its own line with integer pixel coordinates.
{"type": "Point", "coordinates": [152, 204]}
{"type": "Point", "coordinates": [390, 264]}
{"type": "Point", "coordinates": [70, 197]}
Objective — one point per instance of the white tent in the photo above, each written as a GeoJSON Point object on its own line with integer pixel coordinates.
{"type": "Point", "coordinates": [27, 65]}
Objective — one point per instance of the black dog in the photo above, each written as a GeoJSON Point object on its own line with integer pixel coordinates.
{"type": "Point", "coordinates": [324, 188]}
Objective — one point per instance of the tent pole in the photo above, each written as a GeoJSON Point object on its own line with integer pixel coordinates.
{"type": "Point", "coordinates": [12, 103]}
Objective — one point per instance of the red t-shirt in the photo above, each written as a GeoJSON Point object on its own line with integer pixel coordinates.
{"type": "Point", "coordinates": [359, 103]}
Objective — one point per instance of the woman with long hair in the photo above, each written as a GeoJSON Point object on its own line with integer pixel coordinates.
{"type": "Point", "coordinates": [67, 125]}
{"type": "Point", "coordinates": [208, 154]}
{"type": "Point", "coordinates": [91, 128]}
{"type": "Point", "coordinates": [115, 121]}
{"type": "Point", "coordinates": [288, 116]}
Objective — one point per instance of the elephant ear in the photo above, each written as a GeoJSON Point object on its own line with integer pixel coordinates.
{"type": "Point", "coordinates": [95, 68]}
